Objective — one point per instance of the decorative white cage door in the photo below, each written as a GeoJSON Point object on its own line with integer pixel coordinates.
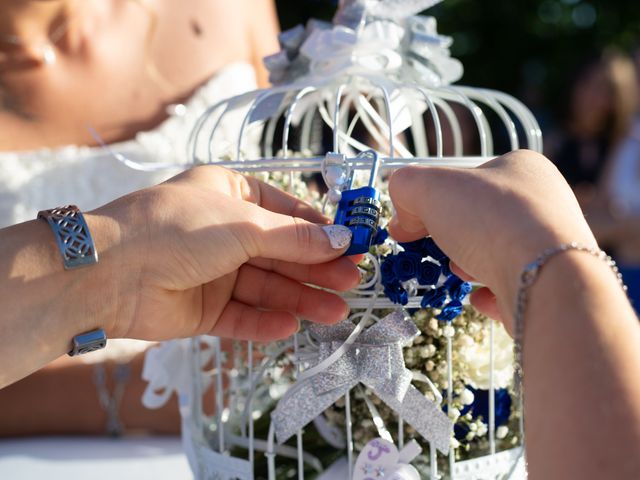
{"type": "Point", "coordinates": [378, 78]}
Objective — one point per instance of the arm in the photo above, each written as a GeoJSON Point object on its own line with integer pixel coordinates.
{"type": "Point", "coordinates": [24, 412]}
{"type": "Point", "coordinates": [208, 252]}
{"type": "Point", "coordinates": [581, 355]}
{"type": "Point", "coordinates": [44, 306]}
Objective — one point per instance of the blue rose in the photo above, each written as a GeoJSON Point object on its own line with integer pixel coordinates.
{"type": "Point", "coordinates": [434, 298]}
{"type": "Point", "coordinates": [429, 273]}
{"type": "Point", "coordinates": [429, 248]}
{"type": "Point", "coordinates": [407, 265]}
{"type": "Point", "coordinates": [380, 237]}
{"type": "Point", "coordinates": [403, 297]}
{"type": "Point", "coordinates": [451, 311]}
{"type": "Point", "coordinates": [446, 267]}
{"type": "Point", "coordinates": [387, 270]}
{"type": "Point", "coordinates": [396, 293]}
{"type": "Point", "coordinates": [457, 288]}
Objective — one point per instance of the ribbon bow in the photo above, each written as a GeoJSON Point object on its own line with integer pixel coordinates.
{"type": "Point", "coordinates": [368, 37]}
{"type": "Point", "coordinates": [374, 360]}
{"type": "Point", "coordinates": [352, 11]}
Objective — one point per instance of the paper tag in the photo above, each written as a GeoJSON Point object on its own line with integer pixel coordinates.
{"type": "Point", "coordinates": [381, 459]}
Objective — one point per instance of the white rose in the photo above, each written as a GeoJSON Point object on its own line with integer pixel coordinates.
{"type": "Point", "coordinates": [476, 360]}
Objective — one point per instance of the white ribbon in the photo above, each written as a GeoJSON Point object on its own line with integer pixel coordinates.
{"type": "Point", "coordinates": [369, 37]}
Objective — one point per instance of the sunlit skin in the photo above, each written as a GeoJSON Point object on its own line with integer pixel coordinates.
{"type": "Point", "coordinates": [119, 64]}
{"type": "Point", "coordinates": [208, 252]}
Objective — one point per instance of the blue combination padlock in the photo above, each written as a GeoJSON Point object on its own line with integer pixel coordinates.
{"type": "Point", "coordinates": [359, 210]}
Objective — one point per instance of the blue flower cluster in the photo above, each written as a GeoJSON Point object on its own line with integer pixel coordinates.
{"type": "Point", "coordinates": [425, 262]}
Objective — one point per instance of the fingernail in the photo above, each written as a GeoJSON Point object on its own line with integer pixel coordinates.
{"type": "Point", "coordinates": [299, 325]}
{"type": "Point", "coordinates": [339, 236]}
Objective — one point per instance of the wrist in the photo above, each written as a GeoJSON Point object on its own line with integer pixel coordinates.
{"type": "Point", "coordinates": [527, 248]}
{"type": "Point", "coordinates": [115, 278]}
{"type": "Point", "coordinates": [563, 277]}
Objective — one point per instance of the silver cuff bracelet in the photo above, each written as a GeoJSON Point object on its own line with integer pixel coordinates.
{"type": "Point", "coordinates": [72, 236]}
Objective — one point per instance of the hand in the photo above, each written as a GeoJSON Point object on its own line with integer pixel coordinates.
{"type": "Point", "coordinates": [491, 221]}
{"type": "Point", "coordinates": [224, 254]}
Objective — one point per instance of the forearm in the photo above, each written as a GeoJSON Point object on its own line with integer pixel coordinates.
{"type": "Point", "coordinates": [27, 405]}
{"type": "Point", "coordinates": [44, 306]}
{"type": "Point", "coordinates": [581, 374]}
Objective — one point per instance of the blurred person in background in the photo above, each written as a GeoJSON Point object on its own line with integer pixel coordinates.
{"type": "Point", "coordinates": [138, 72]}
{"type": "Point", "coordinates": [598, 115]}
{"type": "Point", "coordinates": [615, 216]}
{"type": "Point", "coordinates": [599, 155]}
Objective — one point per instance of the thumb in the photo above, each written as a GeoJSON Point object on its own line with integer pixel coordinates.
{"type": "Point", "coordinates": [292, 239]}
{"type": "Point", "coordinates": [412, 190]}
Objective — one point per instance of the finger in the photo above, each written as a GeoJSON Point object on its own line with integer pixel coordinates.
{"type": "Point", "coordinates": [341, 274]}
{"type": "Point", "coordinates": [278, 201]}
{"type": "Point", "coordinates": [243, 322]}
{"type": "Point", "coordinates": [250, 189]}
{"type": "Point", "coordinates": [291, 239]}
{"type": "Point", "coordinates": [417, 191]}
{"type": "Point", "coordinates": [406, 228]}
{"type": "Point", "coordinates": [486, 303]}
{"type": "Point", "coordinates": [356, 258]}
{"type": "Point", "coordinates": [271, 291]}
{"type": "Point", "coordinates": [458, 272]}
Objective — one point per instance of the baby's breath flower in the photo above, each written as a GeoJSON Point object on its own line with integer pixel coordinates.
{"type": "Point", "coordinates": [448, 331]}
{"type": "Point", "coordinates": [467, 397]}
{"type": "Point", "coordinates": [502, 431]}
{"type": "Point", "coordinates": [428, 351]}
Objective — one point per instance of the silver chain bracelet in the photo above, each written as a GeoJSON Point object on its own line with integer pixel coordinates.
{"type": "Point", "coordinates": [528, 278]}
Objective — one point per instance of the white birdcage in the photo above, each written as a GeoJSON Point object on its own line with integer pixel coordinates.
{"type": "Point", "coordinates": [377, 79]}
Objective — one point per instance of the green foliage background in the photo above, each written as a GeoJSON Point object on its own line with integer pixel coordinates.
{"type": "Point", "coordinates": [529, 48]}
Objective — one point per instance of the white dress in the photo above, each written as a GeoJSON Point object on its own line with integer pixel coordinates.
{"type": "Point", "coordinates": [92, 176]}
